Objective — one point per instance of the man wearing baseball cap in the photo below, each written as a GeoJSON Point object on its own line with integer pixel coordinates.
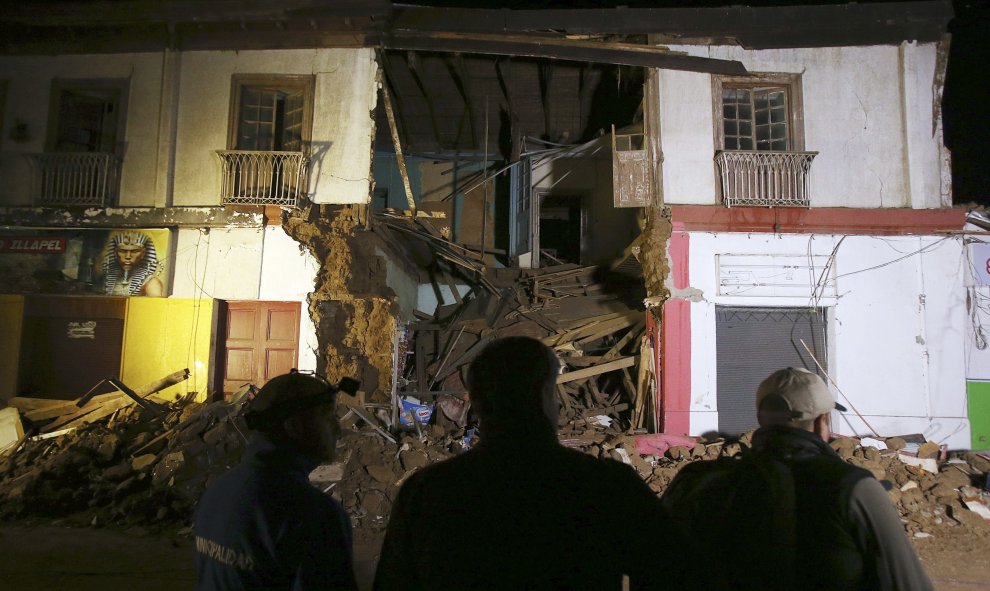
{"type": "Point", "coordinates": [263, 525]}
{"type": "Point", "coordinates": [808, 519]}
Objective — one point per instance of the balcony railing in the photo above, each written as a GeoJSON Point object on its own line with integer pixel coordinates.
{"type": "Point", "coordinates": [76, 178]}
{"type": "Point", "coordinates": [765, 178]}
{"type": "Point", "coordinates": [262, 178]}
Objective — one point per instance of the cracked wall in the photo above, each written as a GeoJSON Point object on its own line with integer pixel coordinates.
{"type": "Point", "coordinates": [353, 309]}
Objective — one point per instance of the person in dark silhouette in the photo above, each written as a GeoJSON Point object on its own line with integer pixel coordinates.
{"type": "Point", "coordinates": [519, 510]}
{"type": "Point", "coordinates": [263, 525]}
{"type": "Point", "coordinates": [795, 515]}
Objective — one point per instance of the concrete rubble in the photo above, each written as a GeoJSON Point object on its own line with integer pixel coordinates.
{"type": "Point", "coordinates": [149, 469]}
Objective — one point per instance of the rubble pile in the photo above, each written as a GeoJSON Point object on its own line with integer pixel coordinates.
{"type": "Point", "coordinates": [369, 470]}
{"type": "Point", "coordinates": [593, 317]}
{"type": "Point", "coordinates": [142, 467]}
{"type": "Point", "coordinates": [135, 466]}
{"type": "Point", "coordinates": [931, 489]}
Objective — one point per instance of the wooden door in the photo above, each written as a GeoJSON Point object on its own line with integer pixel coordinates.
{"type": "Point", "coordinates": [261, 341]}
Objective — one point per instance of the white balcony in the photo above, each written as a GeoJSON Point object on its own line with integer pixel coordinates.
{"type": "Point", "coordinates": [262, 178]}
{"type": "Point", "coordinates": [780, 179]}
{"type": "Point", "coordinates": [76, 178]}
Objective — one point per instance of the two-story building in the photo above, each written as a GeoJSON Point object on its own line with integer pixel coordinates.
{"type": "Point", "coordinates": [190, 187]}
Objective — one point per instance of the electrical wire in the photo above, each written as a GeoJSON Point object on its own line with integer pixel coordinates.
{"type": "Point", "coordinates": [921, 250]}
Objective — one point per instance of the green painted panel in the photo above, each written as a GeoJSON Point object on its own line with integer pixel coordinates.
{"type": "Point", "coordinates": [978, 394]}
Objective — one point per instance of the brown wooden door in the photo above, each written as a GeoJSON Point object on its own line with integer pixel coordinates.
{"type": "Point", "coordinates": [261, 341]}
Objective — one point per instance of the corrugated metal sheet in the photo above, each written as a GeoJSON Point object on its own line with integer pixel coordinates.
{"type": "Point", "coordinates": [751, 343]}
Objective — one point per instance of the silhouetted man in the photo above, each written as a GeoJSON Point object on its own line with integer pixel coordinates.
{"type": "Point", "coordinates": [263, 525]}
{"type": "Point", "coordinates": [792, 514]}
{"type": "Point", "coordinates": [520, 511]}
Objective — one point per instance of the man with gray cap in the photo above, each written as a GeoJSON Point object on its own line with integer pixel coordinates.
{"type": "Point", "coordinates": [262, 525]}
{"type": "Point", "coordinates": [796, 514]}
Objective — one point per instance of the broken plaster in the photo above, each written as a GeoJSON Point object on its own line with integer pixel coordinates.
{"type": "Point", "coordinates": [691, 294]}
{"type": "Point", "coordinates": [240, 216]}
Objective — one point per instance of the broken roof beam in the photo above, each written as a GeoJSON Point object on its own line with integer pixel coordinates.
{"type": "Point", "coordinates": [412, 62]}
{"type": "Point", "coordinates": [626, 54]}
{"type": "Point", "coordinates": [753, 27]}
{"type": "Point", "coordinates": [130, 12]}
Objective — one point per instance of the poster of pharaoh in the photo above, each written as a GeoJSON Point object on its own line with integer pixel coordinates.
{"type": "Point", "coordinates": [120, 262]}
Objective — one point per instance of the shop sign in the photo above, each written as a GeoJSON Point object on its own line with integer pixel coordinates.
{"type": "Point", "coordinates": [32, 244]}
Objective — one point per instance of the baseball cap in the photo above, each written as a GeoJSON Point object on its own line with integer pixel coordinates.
{"type": "Point", "coordinates": [799, 391]}
{"type": "Point", "coordinates": [285, 395]}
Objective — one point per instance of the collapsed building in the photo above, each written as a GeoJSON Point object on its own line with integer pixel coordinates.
{"type": "Point", "coordinates": [678, 200]}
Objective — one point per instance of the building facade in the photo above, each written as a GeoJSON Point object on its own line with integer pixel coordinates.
{"type": "Point", "coordinates": [190, 189]}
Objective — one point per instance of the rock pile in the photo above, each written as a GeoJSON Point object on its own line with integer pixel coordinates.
{"type": "Point", "coordinates": [138, 467]}
{"type": "Point", "coordinates": [929, 495]}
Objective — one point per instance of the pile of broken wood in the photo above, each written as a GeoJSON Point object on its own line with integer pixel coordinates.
{"type": "Point", "coordinates": [118, 457]}
{"type": "Point", "coordinates": [601, 340]}
{"type": "Point", "coordinates": [593, 317]}
{"type": "Point", "coordinates": [57, 417]}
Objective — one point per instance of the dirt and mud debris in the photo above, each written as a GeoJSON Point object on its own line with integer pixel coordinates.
{"type": "Point", "coordinates": [148, 469]}
{"type": "Point", "coordinates": [351, 305]}
{"type": "Point", "coordinates": [136, 466]}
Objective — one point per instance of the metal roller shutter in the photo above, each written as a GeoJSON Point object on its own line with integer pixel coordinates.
{"type": "Point", "coordinates": [751, 343]}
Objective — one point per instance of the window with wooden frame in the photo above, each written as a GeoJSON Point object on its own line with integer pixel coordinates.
{"type": "Point", "coordinates": [84, 143]}
{"type": "Point", "coordinates": [761, 112]}
{"type": "Point", "coordinates": [268, 141]}
{"type": "Point", "coordinates": [271, 113]}
{"type": "Point", "coordinates": [759, 138]}
{"type": "Point", "coordinates": [87, 115]}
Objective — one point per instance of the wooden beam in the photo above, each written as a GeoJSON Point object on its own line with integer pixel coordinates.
{"type": "Point", "coordinates": [129, 12]}
{"type": "Point", "coordinates": [412, 62]}
{"type": "Point", "coordinates": [399, 158]}
{"type": "Point", "coordinates": [596, 370]}
{"type": "Point", "coordinates": [626, 54]}
{"type": "Point", "coordinates": [810, 25]}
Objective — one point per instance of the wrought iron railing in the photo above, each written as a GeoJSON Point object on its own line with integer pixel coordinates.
{"type": "Point", "coordinates": [765, 178]}
{"type": "Point", "coordinates": [262, 178]}
{"type": "Point", "coordinates": [76, 178]}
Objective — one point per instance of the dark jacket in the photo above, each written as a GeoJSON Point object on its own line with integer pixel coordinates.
{"type": "Point", "coordinates": [794, 515]}
{"type": "Point", "coordinates": [527, 513]}
{"type": "Point", "coordinates": [264, 526]}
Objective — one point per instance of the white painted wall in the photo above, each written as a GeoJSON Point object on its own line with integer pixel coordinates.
{"type": "Point", "coordinates": [218, 263]}
{"type": "Point", "coordinates": [343, 122]}
{"type": "Point", "coordinates": [427, 301]}
{"type": "Point", "coordinates": [978, 307]}
{"type": "Point", "coordinates": [29, 85]}
{"type": "Point", "coordinates": [867, 111]}
{"type": "Point", "coordinates": [405, 287]}
{"type": "Point", "coordinates": [288, 274]}
{"type": "Point", "coordinates": [897, 328]}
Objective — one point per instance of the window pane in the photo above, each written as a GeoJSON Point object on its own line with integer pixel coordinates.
{"type": "Point", "coordinates": [778, 131]}
{"type": "Point", "coordinates": [270, 118]}
{"type": "Point", "coordinates": [745, 111]}
{"type": "Point", "coordinates": [755, 118]}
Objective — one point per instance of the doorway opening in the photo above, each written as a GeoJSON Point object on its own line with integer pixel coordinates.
{"type": "Point", "coordinates": [561, 229]}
